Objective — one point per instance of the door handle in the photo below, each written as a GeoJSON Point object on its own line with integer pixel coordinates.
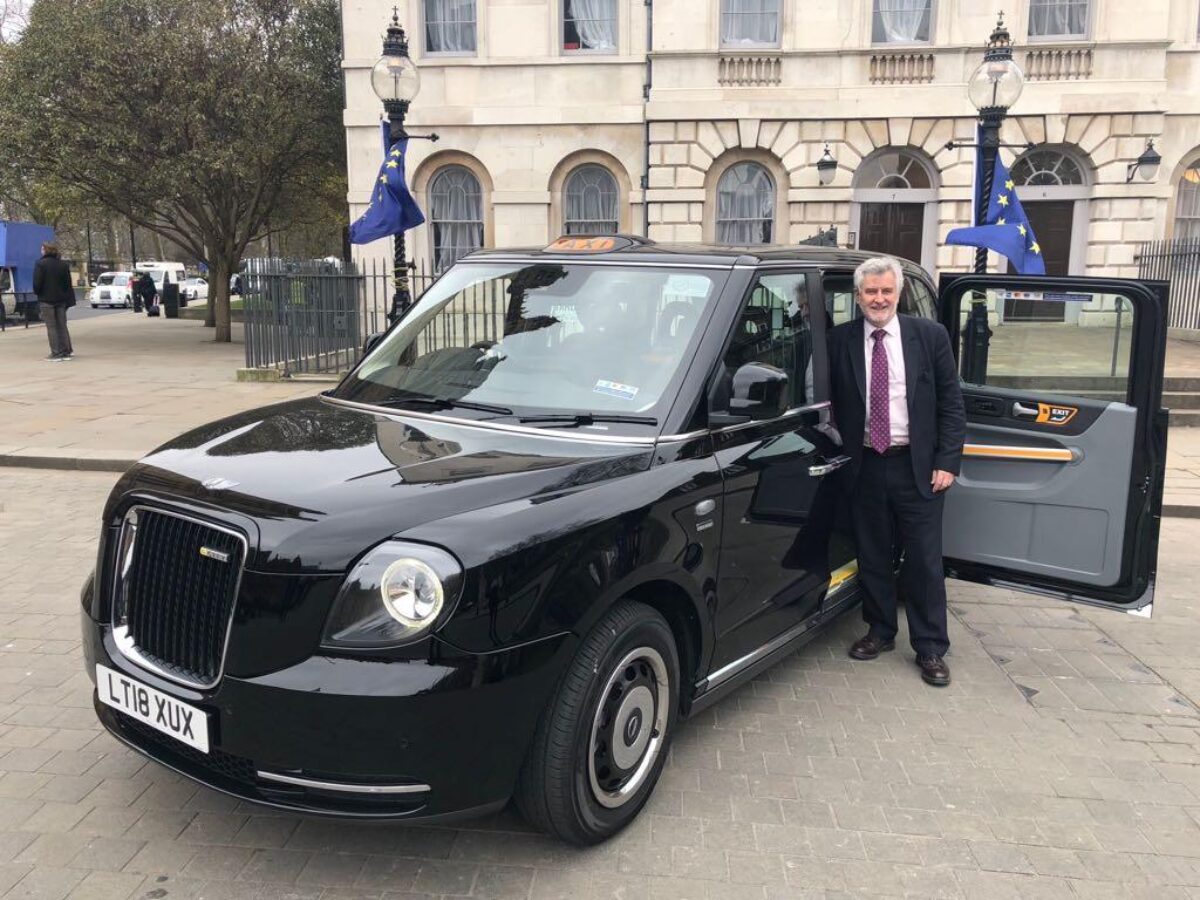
{"type": "Point", "coordinates": [1021, 411]}
{"type": "Point", "coordinates": [828, 466]}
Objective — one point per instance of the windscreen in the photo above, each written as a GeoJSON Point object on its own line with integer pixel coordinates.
{"type": "Point", "coordinates": [545, 338]}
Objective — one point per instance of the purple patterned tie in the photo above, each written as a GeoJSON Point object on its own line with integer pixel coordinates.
{"type": "Point", "coordinates": [881, 423]}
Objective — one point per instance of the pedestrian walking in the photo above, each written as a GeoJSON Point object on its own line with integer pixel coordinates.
{"type": "Point", "coordinates": [52, 285]}
{"type": "Point", "coordinates": [899, 409]}
{"type": "Point", "coordinates": [148, 291]}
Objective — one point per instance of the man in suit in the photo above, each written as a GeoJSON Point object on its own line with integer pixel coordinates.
{"type": "Point", "coordinates": [899, 409]}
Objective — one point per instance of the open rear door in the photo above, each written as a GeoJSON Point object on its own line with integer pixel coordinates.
{"type": "Point", "coordinates": [1062, 476]}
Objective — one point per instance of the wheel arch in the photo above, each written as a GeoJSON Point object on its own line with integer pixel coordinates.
{"type": "Point", "coordinates": [676, 605]}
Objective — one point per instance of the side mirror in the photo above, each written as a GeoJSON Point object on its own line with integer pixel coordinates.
{"type": "Point", "coordinates": [758, 391]}
{"type": "Point", "coordinates": [372, 341]}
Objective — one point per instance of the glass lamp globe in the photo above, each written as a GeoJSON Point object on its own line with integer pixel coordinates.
{"type": "Point", "coordinates": [395, 78]}
{"type": "Point", "coordinates": [996, 84]}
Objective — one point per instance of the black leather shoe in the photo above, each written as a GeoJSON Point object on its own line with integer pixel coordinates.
{"type": "Point", "coordinates": [870, 647]}
{"type": "Point", "coordinates": [934, 670]}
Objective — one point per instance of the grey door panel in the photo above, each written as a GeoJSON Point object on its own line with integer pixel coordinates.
{"type": "Point", "coordinates": [1058, 519]}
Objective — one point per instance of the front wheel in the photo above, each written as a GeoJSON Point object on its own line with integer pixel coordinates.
{"type": "Point", "coordinates": [602, 740]}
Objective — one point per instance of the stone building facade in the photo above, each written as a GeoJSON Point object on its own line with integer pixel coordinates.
{"type": "Point", "coordinates": [657, 107]}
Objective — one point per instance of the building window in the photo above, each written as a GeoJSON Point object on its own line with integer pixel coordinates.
{"type": "Point", "coordinates": [745, 205]}
{"type": "Point", "coordinates": [449, 26]}
{"type": "Point", "coordinates": [1047, 167]}
{"type": "Point", "coordinates": [1187, 204]}
{"type": "Point", "coordinates": [590, 202]}
{"type": "Point", "coordinates": [749, 23]}
{"type": "Point", "coordinates": [455, 215]}
{"type": "Point", "coordinates": [1058, 18]}
{"type": "Point", "coordinates": [590, 25]}
{"type": "Point", "coordinates": [901, 21]}
{"type": "Point", "coordinates": [892, 170]}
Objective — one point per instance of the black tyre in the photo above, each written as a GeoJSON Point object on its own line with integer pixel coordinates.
{"type": "Point", "coordinates": [603, 738]}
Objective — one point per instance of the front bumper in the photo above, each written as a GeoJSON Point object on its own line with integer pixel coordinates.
{"type": "Point", "coordinates": [354, 737]}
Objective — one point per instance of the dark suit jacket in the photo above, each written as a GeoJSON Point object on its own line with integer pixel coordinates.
{"type": "Point", "coordinates": [936, 421]}
{"type": "Point", "coordinates": [52, 281]}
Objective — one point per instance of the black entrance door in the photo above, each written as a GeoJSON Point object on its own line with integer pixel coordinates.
{"type": "Point", "coordinates": [1051, 221]}
{"type": "Point", "coordinates": [892, 228]}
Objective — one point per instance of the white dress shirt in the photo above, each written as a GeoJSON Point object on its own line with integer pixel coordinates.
{"type": "Point", "coordinates": [897, 395]}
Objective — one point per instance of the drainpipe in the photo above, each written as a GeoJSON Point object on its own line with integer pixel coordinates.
{"type": "Point", "coordinates": [646, 117]}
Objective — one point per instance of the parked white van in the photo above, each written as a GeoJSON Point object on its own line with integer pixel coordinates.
{"type": "Point", "coordinates": [163, 273]}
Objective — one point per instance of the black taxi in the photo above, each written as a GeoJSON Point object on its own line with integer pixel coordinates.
{"type": "Point", "coordinates": [574, 496]}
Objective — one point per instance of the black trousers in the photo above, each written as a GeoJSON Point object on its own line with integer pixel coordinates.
{"type": "Point", "coordinates": [890, 513]}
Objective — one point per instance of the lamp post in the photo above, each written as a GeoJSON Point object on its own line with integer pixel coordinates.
{"type": "Point", "coordinates": [993, 88]}
{"type": "Point", "coordinates": [396, 82]}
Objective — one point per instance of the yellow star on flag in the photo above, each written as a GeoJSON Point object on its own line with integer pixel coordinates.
{"type": "Point", "coordinates": [1002, 199]}
{"type": "Point", "coordinates": [1035, 248]}
{"type": "Point", "coordinates": [395, 153]}
{"type": "Point", "coordinates": [383, 179]}
{"type": "Point", "coordinates": [392, 164]}
{"type": "Point", "coordinates": [1010, 184]}
{"type": "Point", "coordinates": [1000, 221]}
{"type": "Point", "coordinates": [1021, 228]}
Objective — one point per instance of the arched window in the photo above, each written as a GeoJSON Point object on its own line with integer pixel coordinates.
{"type": "Point", "coordinates": [1187, 203]}
{"type": "Point", "coordinates": [455, 215]}
{"type": "Point", "coordinates": [745, 205]}
{"type": "Point", "coordinates": [590, 201]}
{"type": "Point", "coordinates": [892, 170]}
{"type": "Point", "coordinates": [1047, 167]}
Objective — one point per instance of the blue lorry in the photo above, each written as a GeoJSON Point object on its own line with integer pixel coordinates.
{"type": "Point", "coordinates": [20, 248]}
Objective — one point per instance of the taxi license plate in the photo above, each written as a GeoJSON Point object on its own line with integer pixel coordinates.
{"type": "Point", "coordinates": [158, 710]}
{"type": "Point", "coordinates": [104, 295]}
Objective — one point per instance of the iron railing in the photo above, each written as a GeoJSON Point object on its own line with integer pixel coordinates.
{"type": "Point", "coordinates": [313, 317]}
{"type": "Point", "coordinates": [1178, 262]}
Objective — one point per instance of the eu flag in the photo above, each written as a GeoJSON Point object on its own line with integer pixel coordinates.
{"type": "Point", "coordinates": [392, 208]}
{"type": "Point", "coordinates": [1006, 229]}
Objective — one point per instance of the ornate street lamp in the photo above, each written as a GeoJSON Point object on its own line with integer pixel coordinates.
{"type": "Point", "coordinates": [396, 81]}
{"type": "Point", "coordinates": [1146, 165]}
{"type": "Point", "coordinates": [993, 88]}
{"type": "Point", "coordinates": [826, 168]}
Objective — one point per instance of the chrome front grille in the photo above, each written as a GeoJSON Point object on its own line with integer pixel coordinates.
{"type": "Point", "coordinates": [176, 585]}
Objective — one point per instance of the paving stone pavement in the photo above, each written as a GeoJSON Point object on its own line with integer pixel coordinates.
{"type": "Point", "coordinates": [1064, 761]}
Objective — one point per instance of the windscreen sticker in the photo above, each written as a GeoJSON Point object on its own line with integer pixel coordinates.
{"type": "Point", "coordinates": [615, 389]}
{"type": "Point", "coordinates": [1052, 414]}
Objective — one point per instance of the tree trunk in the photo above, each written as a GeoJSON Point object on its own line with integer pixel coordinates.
{"type": "Point", "coordinates": [218, 299]}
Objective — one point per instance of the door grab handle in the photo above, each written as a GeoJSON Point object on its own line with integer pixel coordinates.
{"type": "Point", "coordinates": [704, 507]}
{"type": "Point", "coordinates": [1021, 411]}
{"type": "Point", "coordinates": [830, 466]}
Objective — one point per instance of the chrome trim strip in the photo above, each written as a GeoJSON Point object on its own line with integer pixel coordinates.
{"type": "Point", "coordinates": [727, 671]}
{"type": "Point", "coordinates": [344, 788]}
{"type": "Point", "coordinates": [122, 638]}
{"type": "Point", "coordinates": [585, 438]}
{"type": "Point", "coordinates": [799, 410]}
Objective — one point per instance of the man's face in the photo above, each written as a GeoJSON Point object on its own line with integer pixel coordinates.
{"type": "Point", "coordinates": [878, 298]}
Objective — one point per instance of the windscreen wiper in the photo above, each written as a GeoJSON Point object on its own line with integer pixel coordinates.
{"type": "Point", "coordinates": [576, 420]}
{"type": "Point", "coordinates": [447, 403]}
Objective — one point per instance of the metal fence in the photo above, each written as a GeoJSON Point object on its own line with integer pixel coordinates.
{"type": "Point", "coordinates": [1178, 262]}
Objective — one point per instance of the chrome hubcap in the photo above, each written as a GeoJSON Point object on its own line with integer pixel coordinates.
{"type": "Point", "coordinates": [629, 727]}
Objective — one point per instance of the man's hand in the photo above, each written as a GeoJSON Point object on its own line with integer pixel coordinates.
{"type": "Point", "coordinates": [941, 480]}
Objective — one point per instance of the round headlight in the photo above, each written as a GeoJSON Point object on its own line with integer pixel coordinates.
{"type": "Point", "coordinates": [411, 592]}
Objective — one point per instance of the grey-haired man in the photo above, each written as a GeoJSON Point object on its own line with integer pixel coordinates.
{"type": "Point", "coordinates": [899, 409]}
